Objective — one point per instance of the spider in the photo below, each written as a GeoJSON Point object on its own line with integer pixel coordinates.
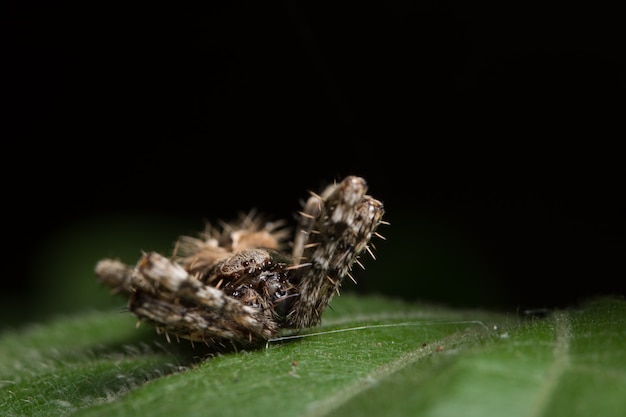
{"type": "Point", "coordinates": [237, 283]}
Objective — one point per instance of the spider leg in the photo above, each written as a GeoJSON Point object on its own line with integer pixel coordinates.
{"type": "Point", "coordinates": [120, 277]}
{"type": "Point", "coordinates": [194, 323]}
{"type": "Point", "coordinates": [335, 228]}
{"type": "Point", "coordinates": [166, 295]}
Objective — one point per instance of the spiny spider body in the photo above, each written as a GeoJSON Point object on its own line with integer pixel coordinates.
{"type": "Point", "coordinates": [237, 284]}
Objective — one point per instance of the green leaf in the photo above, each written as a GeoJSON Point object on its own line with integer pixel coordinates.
{"type": "Point", "coordinates": [372, 356]}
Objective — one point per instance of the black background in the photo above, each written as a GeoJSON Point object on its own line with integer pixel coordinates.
{"type": "Point", "coordinates": [491, 132]}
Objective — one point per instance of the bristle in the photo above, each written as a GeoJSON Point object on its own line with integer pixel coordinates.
{"type": "Point", "coordinates": [176, 246]}
{"type": "Point", "coordinates": [306, 215]}
{"type": "Point", "coordinates": [316, 195]}
{"type": "Point", "coordinates": [192, 264]}
{"type": "Point", "coordinates": [298, 266]}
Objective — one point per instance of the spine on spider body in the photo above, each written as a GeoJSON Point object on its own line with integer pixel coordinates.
{"type": "Point", "coordinates": [335, 228]}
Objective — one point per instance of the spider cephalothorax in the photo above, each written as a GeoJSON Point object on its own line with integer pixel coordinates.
{"type": "Point", "coordinates": [236, 283]}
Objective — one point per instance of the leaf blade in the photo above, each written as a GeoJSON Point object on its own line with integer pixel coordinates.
{"type": "Point", "coordinates": [372, 356]}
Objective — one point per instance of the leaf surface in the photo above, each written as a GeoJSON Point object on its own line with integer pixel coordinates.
{"type": "Point", "coordinates": [372, 356]}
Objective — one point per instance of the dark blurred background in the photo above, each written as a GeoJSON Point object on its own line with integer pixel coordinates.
{"type": "Point", "coordinates": [491, 132]}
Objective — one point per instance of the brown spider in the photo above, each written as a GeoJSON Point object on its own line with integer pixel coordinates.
{"type": "Point", "coordinates": [236, 284]}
